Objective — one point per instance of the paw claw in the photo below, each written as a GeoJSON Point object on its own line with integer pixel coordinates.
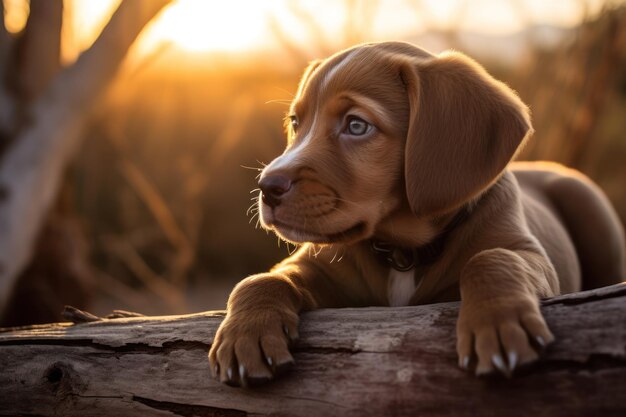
{"type": "Point", "coordinates": [498, 362]}
{"type": "Point", "coordinates": [512, 360]}
{"type": "Point", "coordinates": [540, 341]}
{"type": "Point", "coordinates": [249, 352]}
{"type": "Point", "coordinates": [464, 363]}
{"type": "Point", "coordinates": [505, 335]}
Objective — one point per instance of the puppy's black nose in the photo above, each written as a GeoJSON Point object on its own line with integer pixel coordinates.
{"type": "Point", "coordinates": [273, 187]}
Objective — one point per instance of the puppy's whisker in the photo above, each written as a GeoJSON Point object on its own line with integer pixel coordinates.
{"type": "Point", "coordinates": [341, 211]}
{"type": "Point", "coordinates": [282, 90]}
{"type": "Point", "coordinates": [251, 168]}
{"type": "Point", "coordinates": [343, 200]}
{"type": "Point", "coordinates": [254, 207]}
{"type": "Point", "coordinates": [334, 256]}
{"type": "Point", "coordinates": [284, 102]}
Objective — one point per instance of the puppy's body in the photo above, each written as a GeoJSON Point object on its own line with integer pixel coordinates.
{"type": "Point", "coordinates": [575, 223]}
{"type": "Point", "coordinates": [531, 197]}
{"type": "Point", "coordinates": [396, 174]}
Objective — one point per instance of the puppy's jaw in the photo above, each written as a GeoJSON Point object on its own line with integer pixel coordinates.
{"type": "Point", "coordinates": [294, 227]}
{"type": "Point", "coordinates": [296, 236]}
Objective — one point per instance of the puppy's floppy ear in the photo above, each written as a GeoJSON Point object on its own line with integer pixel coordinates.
{"type": "Point", "coordinates": [464, 128]}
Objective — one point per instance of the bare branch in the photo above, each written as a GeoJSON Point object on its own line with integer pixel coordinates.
{"type": "Point", "coordinates": [5, 40]}
{"type": "Point", "coordinates": [4, 35]}
{"type": "Point", "coordinates": [32, 168]}
{"type": "Point", "coordinates": [6, 101]}
{"type": "Point", "coordinates": [38, 52]}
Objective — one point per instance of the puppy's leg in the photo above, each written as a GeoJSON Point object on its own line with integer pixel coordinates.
{"type": "Point", "coordinates": [252, 343]}
{"type": "Point", "coordinates": [500, 320]}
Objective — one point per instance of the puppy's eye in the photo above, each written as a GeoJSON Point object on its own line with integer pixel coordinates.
{"type": "Point", "coordinates": [293, 120]}
{"type": "Point", "coordinates": [357, 126]}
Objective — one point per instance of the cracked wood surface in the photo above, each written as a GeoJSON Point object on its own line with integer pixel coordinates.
{"type": "Point", "coordinates": [349, 362]}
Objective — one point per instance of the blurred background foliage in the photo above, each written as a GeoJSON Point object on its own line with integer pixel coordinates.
{"type": "Point", "coordinates": [163, 181]}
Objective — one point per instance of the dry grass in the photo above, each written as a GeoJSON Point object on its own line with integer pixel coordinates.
{"type": "Point", "coordinates": [160, 181]}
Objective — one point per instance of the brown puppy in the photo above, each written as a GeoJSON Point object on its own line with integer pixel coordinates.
{"type": "Point", "coordinates": [395, 180]}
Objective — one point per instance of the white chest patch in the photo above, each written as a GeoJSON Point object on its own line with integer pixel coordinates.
{"type": "Point", "coordinates": [400, 287]}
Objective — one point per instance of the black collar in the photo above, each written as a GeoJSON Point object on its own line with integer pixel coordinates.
{"type": "Point", "coordinates": [404, 259]}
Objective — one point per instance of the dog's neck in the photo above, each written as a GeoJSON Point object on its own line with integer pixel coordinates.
{"type": "Point", "coordinates": [409, 248]}
{"type": "Point", "coordinates": [402, 228]}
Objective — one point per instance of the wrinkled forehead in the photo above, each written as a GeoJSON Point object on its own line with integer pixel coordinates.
{"type": "Point", "coordinates": [370, 70]}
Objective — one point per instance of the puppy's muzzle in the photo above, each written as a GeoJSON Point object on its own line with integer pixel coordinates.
{"type": "Point", "coordinates": [273, 189]}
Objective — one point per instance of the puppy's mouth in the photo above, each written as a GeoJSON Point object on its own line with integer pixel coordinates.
{"type": "Point", "coordinates": [298, 235]}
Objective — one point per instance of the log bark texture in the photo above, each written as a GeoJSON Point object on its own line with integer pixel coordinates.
{"type": "Point", "coordinates": [349, 362]}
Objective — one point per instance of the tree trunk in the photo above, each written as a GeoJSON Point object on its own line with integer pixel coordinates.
{"type": "Point", "coordinates": [32, 167]}
{"type": "Point", "coordinates": [349, 362]}
{"type": "Point", "coordinates": [38, 55]}
{"type": "Point", "coordinates": [6, 103]}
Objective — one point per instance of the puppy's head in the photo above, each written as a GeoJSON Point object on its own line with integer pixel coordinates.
{"type": "Point", "coordinates": [383, 128]}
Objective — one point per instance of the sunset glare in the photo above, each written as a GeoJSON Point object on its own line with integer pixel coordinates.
{"type": "Point", "coordinates": [237, 26]}
{"type": "Point", "coordinates": [201, 26]}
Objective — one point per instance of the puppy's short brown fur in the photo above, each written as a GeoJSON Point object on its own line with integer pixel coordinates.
{"type": "Point", "coordinates": [389, 143]}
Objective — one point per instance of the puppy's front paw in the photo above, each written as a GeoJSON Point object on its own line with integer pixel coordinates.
{"type": "Point", "coordinates": [252, 346]}
{"type": "Point", "coordinates": [502, 333]}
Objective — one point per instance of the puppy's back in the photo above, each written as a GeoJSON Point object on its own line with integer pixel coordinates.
{"type": "Point", "coordinates": [586, 214]}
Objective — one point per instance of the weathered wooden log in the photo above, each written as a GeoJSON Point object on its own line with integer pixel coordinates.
{"type": "Point", "coordinates": [349, 362]}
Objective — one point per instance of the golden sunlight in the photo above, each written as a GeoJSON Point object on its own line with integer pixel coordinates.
{"type": "Point", "coordinates": [201, 26]}
{"type": "Point", "coordinates": [190, 25]}
{"type": "Point", "coordinates": [15, 14]}
{"type": "Point", "coordinates": [243, 25]}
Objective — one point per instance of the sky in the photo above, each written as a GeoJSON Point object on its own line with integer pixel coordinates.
{"type": "Point", "coordinates": [239, 26]}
